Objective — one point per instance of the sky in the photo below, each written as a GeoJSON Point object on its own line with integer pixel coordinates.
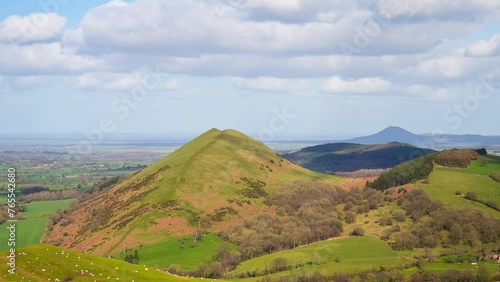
{"type": "Point", "coordinates": [271, 69]}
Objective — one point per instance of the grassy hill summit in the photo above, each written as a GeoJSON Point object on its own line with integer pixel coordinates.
{"type": "Point", "coordinates": [210, 183]}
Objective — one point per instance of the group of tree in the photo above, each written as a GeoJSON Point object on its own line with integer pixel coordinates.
{"type": "Point", "coordinates": [33, 190]}
{"type": "Point", "coordinates": [495, 176]}
{"type": "Point", "coordinates": [132, 258]}
{"type": "Point", "coordinates": [434, 223]}
{"type": "Point", "coordinates": [50, 195]}
{"type": "Point", "coordinates": [306, 212]}
{"type": "Point", "coordinates": [460, 158]}
{"type": "Point", "coordinates": [482, 274]}
{"type": "Point", "coordinates": [5, 213]}
{"type": "Point", "coordinates": [104, 184]}
{"type": "Point", "coordinates": [404, 173]}
{"type": "Point", "coordinates": [420, 168]}
{"type": "Point", "coordinates": [472, 196]}
{"type": "Point", "coordinates": [225, 259]}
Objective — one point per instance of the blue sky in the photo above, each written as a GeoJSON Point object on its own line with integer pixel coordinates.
{"type": "Point", "coordinates": [271, 69]}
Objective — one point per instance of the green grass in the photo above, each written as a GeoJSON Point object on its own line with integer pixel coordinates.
{"type": "Point", "coordinates": [45, 208]}
{"type": "Point", "coordinates": [28, 232]}
{"type": "Point", "coordinates": [31, 229]}
{"type": "Point", "coordinates": [444, 182]}
{"type": "Point", "coordinates": [484, 166]}
{"type": "Point", "coordinates": [47, 263]}
{"type": "Point", "coordinates": [441, 267]}
{"type": "Point", "coordinates": [179, 251]}
{"type": "Point", "coordinates": [355, 254]}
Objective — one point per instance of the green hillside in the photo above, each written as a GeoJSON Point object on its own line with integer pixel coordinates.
{"type": "Point", "coordinates": [48, 263]}
{"type": "Point", "coordinates": [210, 183]}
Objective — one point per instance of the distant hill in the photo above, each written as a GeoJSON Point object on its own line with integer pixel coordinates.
{"type": "Point", "coordinates": [211, 182]}
{"type": "Point", "coordinates": [350, 157]}
{"type": "Point", "coordinates": [445, 141]}
{"type": "Point", "coordinates": [390, 134]}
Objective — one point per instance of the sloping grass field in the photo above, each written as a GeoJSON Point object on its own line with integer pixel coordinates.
{"type": "Point", "coordinates": [353, 254]}
{"type": "Point", "coordinates": [48, 263]}
{"type": "Point", "coordinates": [31, 229]}
{"type": "Point", "coordinates": [45, 208]}
{"type": "Point", "coordinates": [183, 251]}
{"type": "Point", "coordinates": [443, 183]}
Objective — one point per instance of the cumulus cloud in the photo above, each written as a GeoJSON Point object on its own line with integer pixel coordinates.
{"type": "Point", "coordinates": [43, 58]}
{"type": "Point", "coordinates": [461, 10]}
{"type": "Point", "coordinates": [428, 92]}
{"type": "Point", "coordinates": [120, 81]}
{"type": "Point", "coordinates": [448, 67]}
{"type": "Point", "coordinates": [358, 86]}
{"type": "Point", "coordinates": [271, 40]}
{"type": "Point", "coordinates": [269, 84]}
{"type": "Point", "coordinates": [108, 81]}
{"type": "Point", "coordinates": [32, 28]}
{"type": "Point", "coordinates": [194, 28]}
{"type": "Point", "coordinates": [482, 48]}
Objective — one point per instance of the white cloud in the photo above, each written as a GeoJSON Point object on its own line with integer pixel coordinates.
{"type": "Point", "coordinates": [43, 58]}
{"type": "Point", "coordinates": [464, 10]}
{"type": "Point", "coordinates": [32, 28]}
{"type": "Point", "coordinates": [278, 6]}
{"type": "Point", "coordinates": [448, 67]}
{"type": "Point", "coordinates": [108, 81]}
{"type": "Point", "coordinates": [357, 86]}
{"type": "Point", "coordinates": [269, 84]}
{"type": "Point", "coordinates": [485, 48]}
{"type": "Point", "coordinates": [86, 81]}
{"type": "Point", "coordinates": [429, 92]}
{"type": "Point", "coordinates": [119, 81]}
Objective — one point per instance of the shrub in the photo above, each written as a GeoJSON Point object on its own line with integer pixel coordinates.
{"type": "Point", "coordinates": [471, 196]}
{"type": "Point", "coordinates": [358, 231]}
{"type": "Point", "coordinates": [495, 176]}
{"type": "Point", "coordinates": [279, 264]}
{"type": "Point", "coordinates": [399, 216]}
{"type": "Point", "coordinates": [350, 217]}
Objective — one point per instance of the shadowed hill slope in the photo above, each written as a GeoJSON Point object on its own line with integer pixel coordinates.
{"type": "Point", "coordinates": [349, 157]}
